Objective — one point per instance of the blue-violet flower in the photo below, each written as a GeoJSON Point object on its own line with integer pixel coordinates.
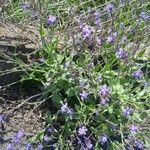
{"type": "Point", "coordinates": [82, 130]}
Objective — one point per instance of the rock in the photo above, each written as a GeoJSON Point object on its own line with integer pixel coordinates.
{"type": "Point", "coordinates": [14, 36]}
{"type": "Point", "coordinates": [15, 42]}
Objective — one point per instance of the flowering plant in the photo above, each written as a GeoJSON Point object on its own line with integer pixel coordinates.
{"type": "Point", "coordinates": [96, 91]}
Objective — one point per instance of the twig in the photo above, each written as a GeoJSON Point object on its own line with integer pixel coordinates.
{"type": "Point", "coordinates": [25, 101]}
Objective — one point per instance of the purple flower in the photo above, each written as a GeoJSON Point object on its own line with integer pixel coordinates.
{"type": "Point", "coordinates": [103, 138]}
{"type": "Point", "coordinates": [40, 147]}
{"type": "Point", "coordinates": [97, 14]}
{"type": "Point", "coordinates": [86, 31]}
{"type": "Point", "coordinates": [121, 53]}
{"type": "Point", "coordinates": [139, 144]}
{"type": "Point", "coordinates": [9, 147]}
{"type": "Point", "coordinates": [28, 146]}
{"type": "Point", "coordinates": [108, 8]}
{"type": "Point", "coordinates": [88, 144]}
{"type": "Point", "coordinates": [104, 100]}
{"type": "Point", "coordinates": [110, 38]}
{"type": "Point", "coordinates": [16, 138]}
{"type": "Point", "coordinates": [25, 5]}
{"type": "Point", "coordinates": [127, 110]}
{"type": "Point", "coordinates": [82, 130]}
{"type": "Point", "coordinates": [51, 19]}
{"type": "Point", "coordinates": [137, 74]}
{"type": "Point", "coordinates": [66, 109]}
{"type": "Point", "coordinates": [20, 134]}
{"type": "Point", "coordinates": [79, 140]}
{"type": "Point", "coordinates": [104, 90]}
{"type": "Point", "coordinates": [144, 15]}
{"type": "Point", "coordinates": [128, 147]}
{"type": "Point", "coordinates": [97, 17]}
{"type": "Point", "coordinates": [49, 130]}
{"type": "Point", "coordinates": [133, 128]}
{"type": "Point", "coordinates": [112, 35]}
{"type": "Point", "coordinates": [84, 95]}
{"type": "Point", "coordinates": [45, 138]}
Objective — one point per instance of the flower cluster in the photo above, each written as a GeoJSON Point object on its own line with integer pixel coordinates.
{"type": "Point", "coordinates": [137, 74]}
{"type": "Point", "coordinates": [9, 147]}
{"type": "Point", "coordinates": [84, 95]}
{"type": "Point", "coordinates": [82, 130]}
{"type": "Point", "coordinates": [17, 136]}
{"type": "Point", "coordinates": [97, 73]}
{"type": "Point", "coordinates": [86, 31]}
{"type": "Point", "coordinates": [51, 19]}
{"type": "Point", "coordinates": [111, 37]}
{"type": "Point", "coordinates": [103, 138]}
{"type": "Point", "coordinates": [133, 128]}
{"type": "Point", "coordinates": [28, 146]}
{"type": "Point", "coordinates": [104, 92]}
{"type": "Point", "coordinates": [109, 8]}
{"type": "Point", "coordinates": [139, 144]}
{"type": "Point", "coordinates": [66, 109]}
{"type": "Point", "coordinates": [97, 17]}
{"type": "Point", "coordinates": [144, 15]}
{"type": "Point", "coordinates": [121, 53]}
{"type": "Point", "coordinates": [83, 139]}
{"type": "Point", "coordinates": [127, 110]}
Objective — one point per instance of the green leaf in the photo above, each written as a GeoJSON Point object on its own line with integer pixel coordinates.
{"type": "Point", "coordinates": [48, 118]}
{"type": "Point", "coordinates": [38, 136]}
{"type": "Point", "coordinates": [107, 45]}
{"type": "Point", "coordinates": [143, 115]}
{"type": "Point", "coordinates": [97, 68]}
{"type": "Point", "coordinates": [41, 30]}
{"type": "Point", "coordinates": [63, 84]}
{"type": "Point", "coordinates": [52, 88]}
{"type": "Point", "coordinates": [141, 53]}
{"type": "Point", "coordinates": [90, 101]}
{"type": "Point", "coordinates": [56, 98]}
{"type": "Point", "coordinates": [73, 91]}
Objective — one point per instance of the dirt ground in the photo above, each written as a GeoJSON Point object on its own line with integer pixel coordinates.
{"type": "Point", "coordinates": [19, 114]}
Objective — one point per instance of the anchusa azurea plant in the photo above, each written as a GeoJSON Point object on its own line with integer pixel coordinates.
{"type": "Point", "coordinates": [95, 75]}
{"type": "Point", "coordinates": [96, 83]}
